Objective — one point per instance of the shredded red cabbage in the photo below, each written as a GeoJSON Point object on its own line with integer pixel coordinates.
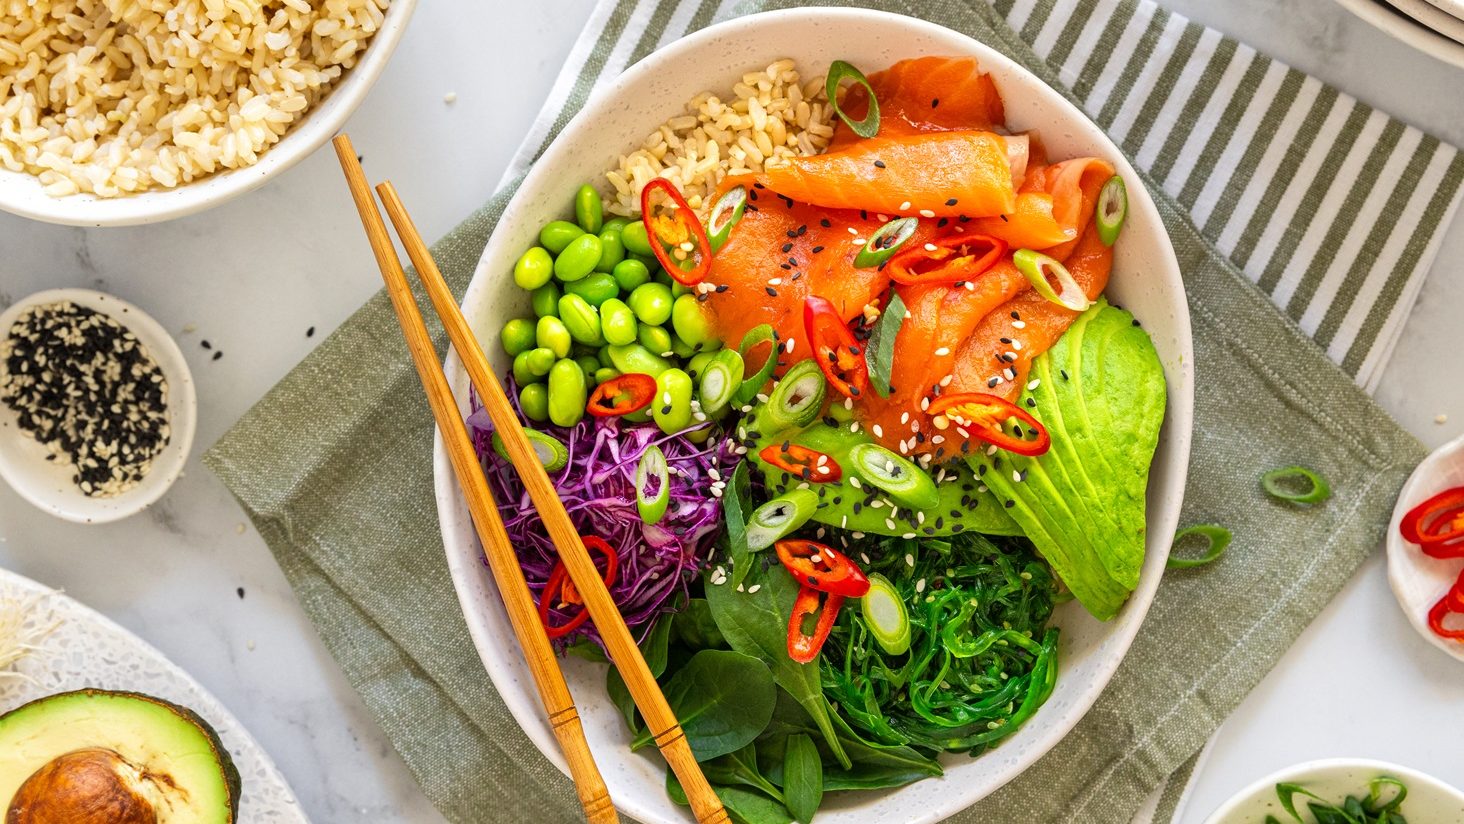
{"type": "Point", "coordinates": [598, 489]}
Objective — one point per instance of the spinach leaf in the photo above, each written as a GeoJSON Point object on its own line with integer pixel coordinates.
{"type": "Point", "coordinates": [875, 765]}
{"type": "Point", "coordinates": [653, 648]}
{"type": "Point", "coordinates": [803, 779]}
{"type": "Point", "coordinates": [588, 650]}
{"type": "Point", "coordinates": [740, 768]}
{"type": "Point", "coordinates": [744, 806]}
{"type": "Point", "coordinates": [723, 700]}
{"type": "Point", "coordinates": [881, 345]}
{"type": "Point", "coordinates": [736, 500]}
{"type": "Point", "coordinates": [696, 628]}
{"type": "Point", "coordinates": [756, 623]}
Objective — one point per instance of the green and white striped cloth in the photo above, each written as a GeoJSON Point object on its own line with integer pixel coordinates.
{"type": "Point", "coordinates": [1333, 208]}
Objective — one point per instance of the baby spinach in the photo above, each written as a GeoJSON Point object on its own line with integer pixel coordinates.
{"type": "Point", "coordinates": [654, 648]}
{"type": "Point", "coordinates": [736, 501]}
{"type": "Point", "coordinates": [803, 784]}
{"type": "Point", "coordinates": [741, 768]}
{"type": "Point", "coordinates": [744, 806]}
{"type": "Point", "coordinates": [723, 699]}
{"type": "Point", "coordinates": [874, 765]}
{"type": "Point", "coordinates": [696, 628]}
{"type": "Point", "coordinates": [755, 622]}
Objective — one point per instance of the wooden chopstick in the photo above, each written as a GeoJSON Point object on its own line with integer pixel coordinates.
{"type": "Point", "coordinates": [522, 613]}
{"type": "Point", "coordinates": [624, 652]}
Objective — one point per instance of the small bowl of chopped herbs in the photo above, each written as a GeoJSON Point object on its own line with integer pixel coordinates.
{"type": "Point", "coordinates": [1344, 791]}
{"type": "Point", "coordinates": [97, 406]}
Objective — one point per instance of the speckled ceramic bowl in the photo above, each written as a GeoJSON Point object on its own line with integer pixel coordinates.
{"type": "Point", "coordinates": [1429, 800]}
{"type": "Point", "coordinates": [1146, 280]}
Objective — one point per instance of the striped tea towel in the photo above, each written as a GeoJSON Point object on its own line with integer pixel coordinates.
{"type": "Point", "coordinates": [1333, 208]}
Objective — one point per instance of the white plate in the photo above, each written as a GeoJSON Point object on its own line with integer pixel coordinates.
{"type": "Point", "coordinates": [47, 484]}
{"type": "Point", "coordinates": [1453, 8]}
{"type": "Point", "coordinates": [1418, 580]}
{"type": "Point", "coordinates": [1400, 27]}
{"type": "Point", "coordinates": [1433, 17]}
{"type": "Point", "coordinates": [1429, 801]}
{"type": "Point", "coordinates": [87, 650]}
{"type": "Point", "coordinates": [1146, 280]}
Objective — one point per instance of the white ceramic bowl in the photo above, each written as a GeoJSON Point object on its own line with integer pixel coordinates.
{"type": "Point", "coordinates": [21, 193]}
{"type": "Point", "coordinates": [1417, 580]}
{"type": "Point", "coordinates": [1146, 280]}
{"type": "Point", "coordinates": [1399, 26]}
{"type": "Point", "coordinates": [47, 484]}
{"type": "Point", "coordinates": [1429, 801]}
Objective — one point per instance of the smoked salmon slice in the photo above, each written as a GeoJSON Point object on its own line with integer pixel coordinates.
{"type": "Point", "coordinates": [1053, 206]}
{"type": "Point", "coordinates": [926, 94]}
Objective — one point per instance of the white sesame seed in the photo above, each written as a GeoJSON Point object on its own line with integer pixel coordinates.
{"type": "Point", "coordinates": [904, 418]}
{"type": "Point", "coordinates": [854, 482]}
{"type": "Point", "coordinates": [926, 213]}
{"type": "Point", "coordinates": [970, 286]}
{"type": "Point", "coordinates": [877, 430]}
{"type": "Point", "coordinates": [1020, 324]}
{"type": "Point", "coordinates": [919, 517]}
{"type": "Point", "coordinates": [904, 207]}
{"type": "Point", "coordinates": [713, 473]}
{"type": "Point", "coordinates": [946, 381]}
{"type": "Point", "coordinates": [982, 488]}
{"type": "Point", "coordinates": [909, 536]}
{"type": "Point", "coordinates": [909, 560]}
{"type": "Point", "coordinates": [1033, 384]}
{"type": "Point", "coordinates": [853, 231]}
{"type": "Point", "coordinates": [942, 352]}
{"type": "Point", "coordinates": [775, 282]}
{"type": "Point", "coordinates": [890, 524]}
{"type": "Point", "coordinates": [937, 440]}
{"type": "Point", "coordinates": [1017, 345]}
{"type": "Point", "coordinates": [1017, 477]}
{"type": "Point", "coordinates": [920, 585]}
{"type": "Point", "coordinates": [876, 504]}
{"type": "Point", "coordinates": [924, 404]}
{"type": "Point", "coordinates": [930, 247]}
{"type": "Point", "coordinates": [753, 589]}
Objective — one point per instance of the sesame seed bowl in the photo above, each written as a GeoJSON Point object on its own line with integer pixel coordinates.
{"type": "Point", "coordinates": [127, 440]}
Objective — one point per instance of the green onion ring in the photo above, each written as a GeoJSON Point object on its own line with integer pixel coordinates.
{"type": "Point", "coordinates": [779, 517]}
{"type": "Point", "coordinates": [547, 448]}
{"type": "Point", "coordinates": [885, 242]}
{"type": "Point", "coordinates": [1218, 537]}
{"type": "Point", "coordinates": [885, 615]}
{"type": "Point", "coordinates": [720, 380]}
{"type": "Point", "coordinates": [1276, 484]}
{"type": "Point", "coordinates": [762, 333]}
{"type": "Point", "coordinates": [838, 70]}
{"type": "Point", "coordinates": [1035, 267]}
{"type": "Point", "coordinates": [1112, 210]}
{"type": "Point", "coordinates": [796, 398]}
{"type": "Point", "coordinates": [652, 468]}
{"type": "Point", "coordinates": [734, 200]}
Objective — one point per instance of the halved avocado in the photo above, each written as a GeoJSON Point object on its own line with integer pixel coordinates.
{"type": "Point", "coordinates": [95, 756]}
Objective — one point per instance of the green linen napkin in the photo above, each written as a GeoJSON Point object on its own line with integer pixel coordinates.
{"type": "Point", "coordinates": [346, 501]}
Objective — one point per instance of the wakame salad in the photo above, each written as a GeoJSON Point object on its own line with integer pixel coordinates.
{"type": "Point", "coordinates": [825, 377]}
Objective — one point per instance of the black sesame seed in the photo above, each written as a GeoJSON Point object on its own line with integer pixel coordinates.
{"type": "Point", "coordinates": [310, 333]}
{"type": "Point", "coordinates": [951, 202]}
{"type": "Point", "coordinates": [218, 354]}
{"type": "Point", "coordinates": [817, 249]}
{"type": "Point", "coordinates": [787, 247]}
{"type": "Point", "coordinates": [879, 164]}
{"type": "Point", "coordinates": [934, 102]}
{"type": "Point", "coordinates": [205, 344]}
{"type": "Point", "coordinates": [825, 223]}
{"type": "Point", "coordinates": [771, 291]}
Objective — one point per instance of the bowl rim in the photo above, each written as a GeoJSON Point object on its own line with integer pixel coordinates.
{"type": "Point", "coordinates": [1177, 432]}
{"type": "Point", "coordinates": [1406, 30]}
{"type": "Point", "coordinates": [1296, 773]}
{"type": "Point", "coordinates": [20, 192]}
{"type": "Point", "coordinates": [182, 406]}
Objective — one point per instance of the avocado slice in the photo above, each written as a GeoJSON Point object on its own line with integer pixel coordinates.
{"type": "Point", "coordinates": [100, 756]}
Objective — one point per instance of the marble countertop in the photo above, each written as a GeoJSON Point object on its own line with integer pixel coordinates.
{"type": "Point", "coordinates": [254, 276]}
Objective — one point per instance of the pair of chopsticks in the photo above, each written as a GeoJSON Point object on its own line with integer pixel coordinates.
{"type": "Point", "coordinates": [522, 612]}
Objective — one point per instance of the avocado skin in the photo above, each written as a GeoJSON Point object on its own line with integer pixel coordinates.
{"type": "Point", "coordinates": [221, 755]}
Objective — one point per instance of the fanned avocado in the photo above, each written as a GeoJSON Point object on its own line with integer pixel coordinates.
{"type": "Point", "coordinates": [94, 756]}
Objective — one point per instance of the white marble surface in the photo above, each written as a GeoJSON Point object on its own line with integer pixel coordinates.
{"type": "Point", "coordinates": [252, 276]}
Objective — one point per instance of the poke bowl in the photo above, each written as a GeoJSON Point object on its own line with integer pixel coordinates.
{"type": "Point", "coordinates": [607, 136]}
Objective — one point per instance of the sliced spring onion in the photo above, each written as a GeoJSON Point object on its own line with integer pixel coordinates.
{"type": "Point", "coordinates": [721, 378]}
{"type": "Point", "coordinates": [550, 452]}
{"type": "Point", "coordinates": [726, 212]}
{"type": "Point", "coordinates": [1283, 485]}
{"type": "Point", "coordinates": [885, 615]}
{"type": "Point", "coordinates": [838, 70]}
{"type": "Point", "coordinates": [652, 486]}
{"type": "Point", "coordinates": [1036, 267]}
{"type": "Point", "coordinates": [899, 477]}
{"type": "Point", "coordinates": [1112, 210]}
{"type": "Point", "coordinates": [883, 244]}
{"type": "Point", "coordinates": [779, 517]}
{"type": "Point", "coordinates": [881, 346]}
{"type": "Point", "coordinates": [796, 398]}
{"type": "Point", "coordinates": [1216, 537]}
{"type": "Point", "coordinates": [755, 337]}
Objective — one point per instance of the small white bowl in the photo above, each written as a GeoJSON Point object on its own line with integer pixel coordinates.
{"type": "Point", "coordinates": [48, 484]}
{"type": "Point", "coordinates": [22, 194]}
{"type": "Point", "coordinates": [1399, 26]}
{"type": "Point", "coordinates": [1417, 580]}
{"type": "Point", "coordinates": [1429, 801]}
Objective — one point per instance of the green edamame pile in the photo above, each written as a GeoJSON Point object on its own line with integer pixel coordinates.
{"type": "Point", "coordinates": [602, 306]}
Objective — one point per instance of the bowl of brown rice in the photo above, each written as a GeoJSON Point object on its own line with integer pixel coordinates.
{"type": "Point", "coordinates": [121, 112]}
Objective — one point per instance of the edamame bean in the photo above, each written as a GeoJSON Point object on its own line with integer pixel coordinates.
{"type": "Point", "coordinates": [589, 212]}
{"type": "Point", "coordinates": [567, 393]}
{"type": "Point", "coordinates": [522, 375]}
{"type": "Point", "coordinates": [539, 361]}
{"type": "Point", "coordinates": [651, 303]}
{"type": "Point", "coordinates": [617, 322]}
{"type": "Point", "coordinates": [689, 319]}
{"type": "Point", "coordinates": [581, 319]}
{"type": "Point", "coordinates": [534, 400]}
{"type": "Point", "coordinates": [654, 338]}
{"type": "Point", "coordinates": [682, 349]}
{"type": "Point", "coordinates": [557, 234]}
{"type": "Point", "coordinates": [517, 336]}
{"type": "Point", "coordinates": [578, 258]}
{"type": "Point", "coordinates": [589, 366]}
{"type": "Point", "coordinates": [672, 406]}
{"type": "Point", "coordinates": [603, 354]}
{"type": "Point", "coordinates": [612, 251]}
{"type": "Point", "coordinates": [615, 223]}
{"type": "Point", "coordinates": [636, 358]}
{"type": "Point", "coordinates": [606, 373]}
{"type": "Point", "coordinates": [679, 289]}
{"type": "Point", "coordinates": [546, 300]}
{"type": "Point", "coordinates": [534, 268]}
{"type": "Point", "coordinates": [698, 363]}
{"type": "Point", "coordinates": [635, 238]}
{"type": "Point", "coordinates": [595, 288]}
{"type": "Point", "coordinates": [551, 334]}
{"type": "Point", "coordinates": [630, 273]}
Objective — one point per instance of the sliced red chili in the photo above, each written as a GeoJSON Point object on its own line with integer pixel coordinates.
{"type": "Point", "coordinates": [835, 350]}
{"type": "Point", "coordinates": [673, 231]}
{"type": "Point", "coordinates": [622, 395]}
{"type": "Point", "coordinates": [821, 608]}
{"type": "Point", "coordinates": [1437, 524]}
{"type": "Point", "coordinates": [809, 464]}
{"type": "Point", "coordinates": [560, 592]}
{"type": "Point", "coordinates": [823, 568]}
{"type": "Point", "coordinates": [1451, 603]}
{"type": "Point", "coordinates": [948, 259]}
{"type": "Point", "coordinates": [983, 417]}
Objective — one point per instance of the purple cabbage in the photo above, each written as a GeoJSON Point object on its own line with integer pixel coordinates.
{"type": "Point", "coordinates": [597, 487]}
